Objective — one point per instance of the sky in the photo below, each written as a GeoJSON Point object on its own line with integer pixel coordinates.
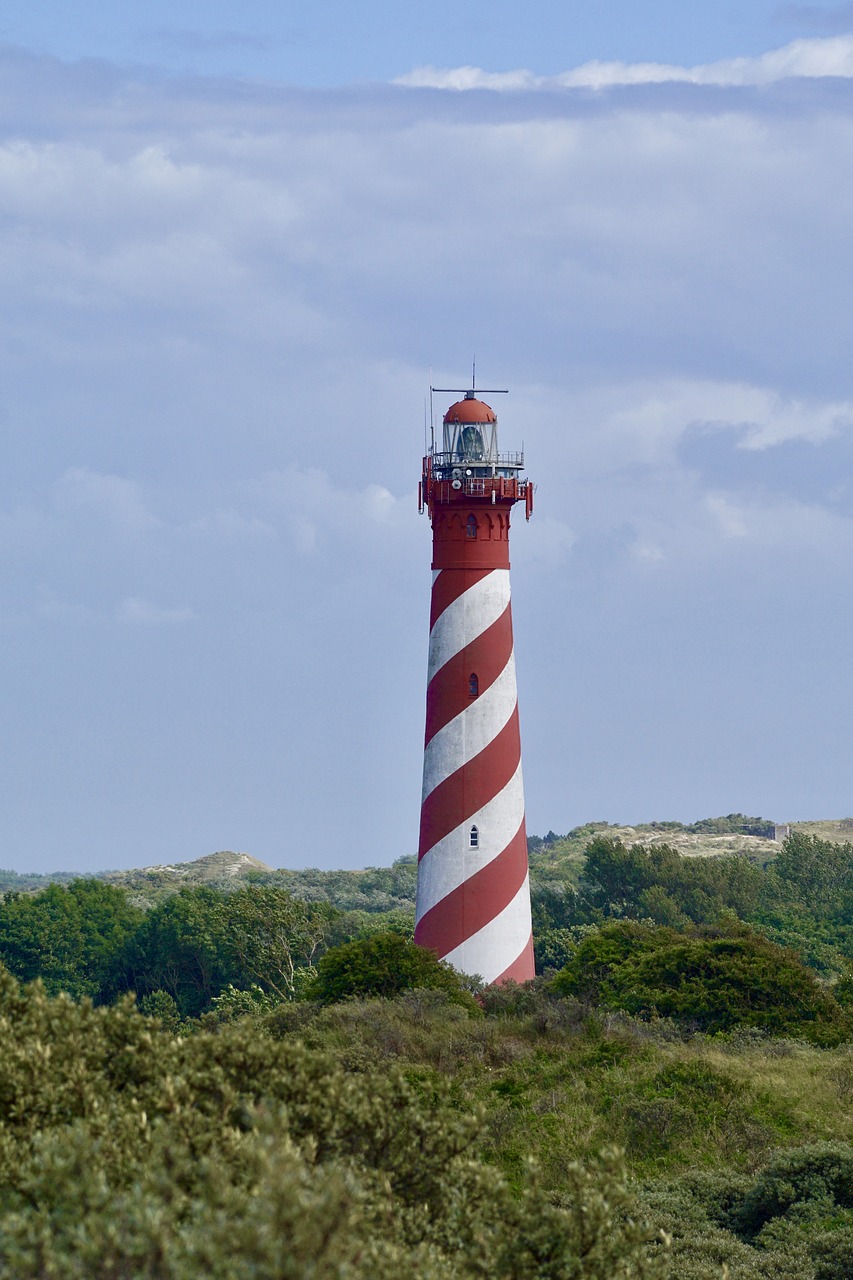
{"type": "Point", "coordinates": [235, 244]}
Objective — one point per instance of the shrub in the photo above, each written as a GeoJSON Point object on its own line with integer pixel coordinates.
{"type": "Point", "coordinates": [384, 965]}
{"type": "Point", "coordinates": [127, 1152]}
{"type": "Point", "coordinates": [706, 980]}
{"type": "Point", "coordinates": [821, 1172]}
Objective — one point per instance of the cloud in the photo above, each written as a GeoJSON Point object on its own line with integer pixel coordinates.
{"type": "Point", "coordinates": [830, 56]}
{"type": "Point", "coordinates": [115, 499]}
{"type": "Point", "coordinates": [319, 515]}
{"type": "Point", "coordinates": [730, 519]}
{"type": "Point", "coordinates": [222, 302]}
{"type": "Point", "coordinates": [141, 612]}
{"type": "Point", "coordinates": [231, 526]}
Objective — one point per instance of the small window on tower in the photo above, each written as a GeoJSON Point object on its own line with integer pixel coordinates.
{"type": "Point", "coordinates": [473, 686]}
{"type": "Point", "coordinates": [471, 527]}
{"type": "Point", "coordinates": [473, 838]}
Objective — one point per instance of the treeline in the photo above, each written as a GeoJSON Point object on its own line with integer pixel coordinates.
{"type": "Point", "coordinates": [204, 952]}
{"type": "Point", "coordinates": [802, 900]}
{"type": "Point", "coordinates": [89, 940]}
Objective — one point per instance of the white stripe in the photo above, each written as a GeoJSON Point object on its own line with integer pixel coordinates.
{"type": "Point", "coordinates": [467, 617]}
{"type": "Point", "coordinates": [452, 861]}
{"type": "Point", "coordinates": [468, 733]}
{"type": "Point", "coordinates": [493, 948]}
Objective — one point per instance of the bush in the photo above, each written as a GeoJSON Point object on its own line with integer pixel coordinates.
{"type": "Point", "coordinates": [385, 965]}
{"type": "Point", "coordinates": [820, 1173]}
{"type": "Point", "coordinates": [705, 980]}
{"type": "Point", "coordinates": [127, 1152]}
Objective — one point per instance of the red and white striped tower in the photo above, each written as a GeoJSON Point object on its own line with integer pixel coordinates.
{"type": "Point", "coordinates": [473, 905]}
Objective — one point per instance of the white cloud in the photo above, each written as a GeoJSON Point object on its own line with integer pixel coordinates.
{"type": "Point", "coordinates": [729, 517]}
{"type": "Point", "coordinates": [115, 499]}
{"type": "Point", "coordinates": [817, 57]}
{"type": "Point", "coordinates": [222, 303]}
{"type": "Point", "coordinates": [230, 526]}
{"type": "Point", "coordinates": [322, 515]}
{"type": "Point", "coordinates": [136, 610]}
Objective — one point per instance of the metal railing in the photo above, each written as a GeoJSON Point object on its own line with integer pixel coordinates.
{"type": "Point", "coordinates": [448, 461]}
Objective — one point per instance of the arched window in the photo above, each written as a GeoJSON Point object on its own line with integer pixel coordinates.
{"type": "Point", "coordinates": [471, 527]}
{"type": "Point", "coordinates": [473, 686]}
{"type": "Point", "coordinates": [473, 838]}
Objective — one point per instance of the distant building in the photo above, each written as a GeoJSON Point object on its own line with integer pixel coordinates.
{"type": "Point", "coordinates": [781, 831]}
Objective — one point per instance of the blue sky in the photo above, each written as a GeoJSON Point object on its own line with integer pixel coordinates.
{"type": "Point", "coordinates": [232, 244]}
{"type": "Point", "coordinates": [334, 42]}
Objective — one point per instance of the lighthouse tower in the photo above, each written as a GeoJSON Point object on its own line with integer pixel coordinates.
{"type": "Point", "coordinates": [473, 904]}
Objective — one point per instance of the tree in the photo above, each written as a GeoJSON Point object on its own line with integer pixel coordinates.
{"type": "Point", "coordinates": [69, 936]}
{"type": "Point", "coordinates": [268, 936]}
{"type": "Point", "coordinates": [817, 873]}
{"type": "Point", "coordinates": [658, 882]}
{"type": "Point", "coordinates": [200, 940]}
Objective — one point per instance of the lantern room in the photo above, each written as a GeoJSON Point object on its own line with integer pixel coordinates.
{"type": "Point", "coordinates": [470, 444]}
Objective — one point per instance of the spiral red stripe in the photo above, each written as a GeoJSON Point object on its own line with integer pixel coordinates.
{"type": "Point", "coordinates": [471, 786]}
{"type": "Point", "coordinates": [449, 692]}
{"type": "Point", "coordinates": [521, 967]}
{"type": "Point", "coordinates": [478, 900]}
{"type": "Point", "coordinates": [448, 586]}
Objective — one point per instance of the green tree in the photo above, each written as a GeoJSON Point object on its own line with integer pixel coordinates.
{"type": "Point", "coordinates": [69, 936]}
{"type": "Point", "coordinates": [815, 873]}
{"type": "Point", "coordinates": [659, 883]}
{"type": "Point", "coordinates": [200, 940]}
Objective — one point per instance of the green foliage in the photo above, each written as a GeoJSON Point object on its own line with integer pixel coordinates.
{"type": "Point", "coordinates": [803, 900]}
{"type": "Point", "coordinates": [127, 1152]}
{"type": "Point", "coordinates": [350, 925]}
{"type": "Point", "coordinates": [385, 964]}
{"type": "Point", "coordinates": [817, 874]}
{"type": "Point", "coordinates": [659, 884]}
{"type": "Point", "coordinates": [791, 1220]}
{"type": "Point", "coordinates": [734, 824]}
{"type": "Point", "coordinates": [240, 1128]}
{"type": "Point", "coordinates": [706, 980]}
{"type": "Point", "coordinates": [200, 940]}
{"type": "Point", "coordinates": [28, 881]}
{"type": "Point", "coordinates": [232, 1004]}
{"type": "Point", "coordinates": [820, 1175]}
{"type": "Point", "coordinates": [553, 948]}
{"type": "Point", "coordinates": [69, 936]}
{"type": "Point", "coordinates": [160, 1005]}
{"type": "Point", "coordinates": [372, 889]}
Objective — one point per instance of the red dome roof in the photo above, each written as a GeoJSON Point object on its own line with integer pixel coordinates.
{"type": "Point", "coordinates": [470, 411]}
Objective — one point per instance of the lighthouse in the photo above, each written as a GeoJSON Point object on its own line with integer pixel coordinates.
{"type": "Point", "coordinates": [473, 901]}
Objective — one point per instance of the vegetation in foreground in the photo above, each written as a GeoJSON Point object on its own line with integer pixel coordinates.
{"type": "Point", "coordinates": [297, 1090]}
